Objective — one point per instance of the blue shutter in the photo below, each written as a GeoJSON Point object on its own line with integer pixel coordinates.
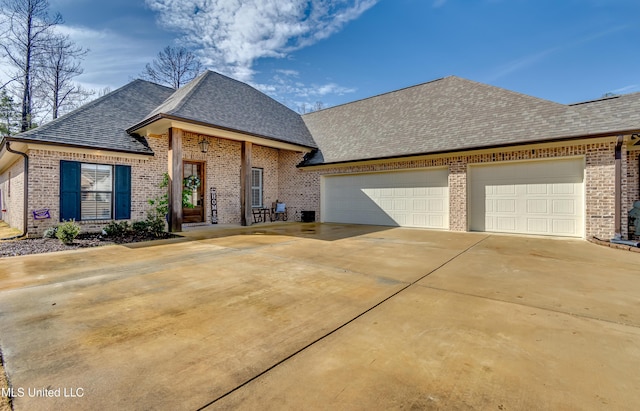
{"type": "Point", "coordinates": [69, 190]}
{"type": "Point", "coordinates": [123, 193]}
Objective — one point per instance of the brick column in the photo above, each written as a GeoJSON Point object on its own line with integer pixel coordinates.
{"type": "Point", "coordinates": [600, 180]}
{"type": "Point", "coordinates": [458, 195]}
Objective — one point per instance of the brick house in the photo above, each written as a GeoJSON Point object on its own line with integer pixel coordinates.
{"type": "Point", "coordinates": [450, 154]}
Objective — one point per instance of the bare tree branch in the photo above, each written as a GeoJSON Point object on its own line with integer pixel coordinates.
{"type": "Point", "coordinates": [174, 67]}
{"type": "Point", "coordinates": [60, 64]}
{"type": "Point", "coordinates": [26, 40]}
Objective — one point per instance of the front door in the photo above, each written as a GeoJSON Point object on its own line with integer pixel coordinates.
{"type": "Point", "coordinates": [193, 173]}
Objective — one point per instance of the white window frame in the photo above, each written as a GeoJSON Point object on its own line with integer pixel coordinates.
{"type": "Point", "coordinates": [110, 193]}
{"type": "Point", "coordinates": [259, 187]}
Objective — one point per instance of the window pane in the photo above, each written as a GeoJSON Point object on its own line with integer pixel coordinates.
{"type": "Point", "coordinates": [256, 187]}
{"type": "Point", "coordinates": [96, 177]}
{"type": "Point", "coordinates": [95, 206]}
{"type": "Point", "coordinates": [256, 198]}
{"type": "Point", "coordinates": [104, 179]}
{"type": "Point", "coordinates": [88, 177]}
{"type": "Point", "coordinates": [255, 178]}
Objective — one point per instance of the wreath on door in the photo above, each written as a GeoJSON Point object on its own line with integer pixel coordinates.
{"type": "Point", "coordinates": [192, 182]}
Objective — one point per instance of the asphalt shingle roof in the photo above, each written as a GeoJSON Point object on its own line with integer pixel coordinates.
{"type": "Point", "coordinates": [220, 101]}
{"type": "Point", "coordinates": [102, 123]}
{"type": "Point", "coordinates": [450, 114]}
{"type": "Point", "coordinates": [612, 111]}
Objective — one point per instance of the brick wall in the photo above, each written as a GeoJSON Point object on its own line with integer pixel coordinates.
{"type": "Point", "coordinates": [44, 182]}
{"type": "Point", "coordinates": [267, 159]}
{"type": "Point", "coordinates": [633, 186]}
{"type": "Point", "coordinates": [12, 186]}
{"type": "Point", "coordinates": [458, 194]}
{"type": "Point", "coordinates": [299, 189]}
{"type": "Point", "coordinates": [222, 165]}
{"type": "Point", "coordinates": [222, 170]}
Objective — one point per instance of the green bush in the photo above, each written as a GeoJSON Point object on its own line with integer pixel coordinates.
{"type": "Point", "coordinates": [156, 225]}
{"type": "Point", "coordinates": [140, 226]}
{"type": "Point", "coordinates": [68, 231]}
{"type": "Point", "coordinates": [115, 229]}
{"type": "Point", "coordinates": [50, 232]}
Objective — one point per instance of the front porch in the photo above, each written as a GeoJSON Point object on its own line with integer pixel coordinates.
{"type": "Point", "coordinates": [237, 181]}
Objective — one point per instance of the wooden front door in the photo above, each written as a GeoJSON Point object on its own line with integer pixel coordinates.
{"type": "Point", "coordinates": [196, 196]}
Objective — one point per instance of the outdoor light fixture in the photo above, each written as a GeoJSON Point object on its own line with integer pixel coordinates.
{"type": "Point", "coordinates": [204, 144]}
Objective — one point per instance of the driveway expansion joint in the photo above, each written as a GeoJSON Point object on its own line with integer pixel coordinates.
{"type": "Point", "coordinates": [323, 337]}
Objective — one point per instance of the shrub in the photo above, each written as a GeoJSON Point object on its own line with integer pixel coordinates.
{"type": "Point", "coordinates": [50, 232]}
{"type": "Point", "coordinates": [155, 223]}
{"type": "Point", "coordinates": [115, 229]}
{"type": "Point", "coordinates": [140, 226]}
{"type": "Point", "coordinates": [68, 231]}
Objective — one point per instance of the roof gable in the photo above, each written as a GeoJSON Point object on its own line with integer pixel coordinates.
{"type": "Point", "coordinates": [101, 123]}
{"type": "Point", "coordinates": [219, 101]}
{"type": "Point", "coordinates": [450, 114]}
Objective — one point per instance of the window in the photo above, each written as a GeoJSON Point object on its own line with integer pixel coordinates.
{"type": "Point", "coordinates": [94, 191]}
{"type": "Point", "coordinates": [256, 187]}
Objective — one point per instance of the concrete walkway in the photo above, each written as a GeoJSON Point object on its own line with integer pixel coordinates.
{"type": "Point", "coordinates": [7, 232]}
{"type": "Point", "coordinates": [310, 316]}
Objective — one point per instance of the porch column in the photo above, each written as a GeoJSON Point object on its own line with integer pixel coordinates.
{"type": "Point", "coordinates": [245, 184]}
{"type": "Point", "coordinates": [175, 180]}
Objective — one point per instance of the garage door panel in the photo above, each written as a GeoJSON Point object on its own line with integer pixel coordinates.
{"type": "Point", "coordinates": [537, 225]}
{"type": "Point", "coordinates": [564, 227]}
{"type": "Point", "coordinates": [406, 198]}
{"type": "Point", "coordinates": [436, 221]}
{"type": "Point", "coordinates": [544, 197]}
{"type": "Point", "coordinates": [505, 224]}
{"type": "Point", "coordinates": [537, 206]}
{"type": "Point", "coordinates": [536, 188]}
{"type": "Point", "coordinates": [564, 207]}
{"type": "Point", "coordinates": [563, 188]}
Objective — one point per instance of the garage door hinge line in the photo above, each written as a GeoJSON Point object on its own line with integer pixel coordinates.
{"type": "Point", "coordinates": [339, 327]}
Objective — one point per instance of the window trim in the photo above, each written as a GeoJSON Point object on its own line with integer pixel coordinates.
{"type": "Point", "coordinates": [112, 192]}
{"type": "Point", "coordinates": [258, 187]}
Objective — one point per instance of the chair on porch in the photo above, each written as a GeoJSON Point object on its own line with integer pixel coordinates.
{"type": "Point", "coordinates": [278, 211]}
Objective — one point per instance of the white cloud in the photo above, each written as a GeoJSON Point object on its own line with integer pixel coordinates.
{"type": "Point", "coordinates": [231, 34]}
{"type": "Point", "coordinates": [626, 89]}
{"type": "Point", "coordinates": [290, 73]}
{"type": "Point", "coordinates": [113, 58]}
{"type": "Point", "coordinates": [297, 94]}
{"type": "Point", "coordinates": [532, 59]}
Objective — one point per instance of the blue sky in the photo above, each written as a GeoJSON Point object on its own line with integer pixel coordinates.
{"type": "Point", "coordinates": [336, 51]}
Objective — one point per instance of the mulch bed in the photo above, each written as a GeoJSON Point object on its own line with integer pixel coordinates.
{"type": "Point", "coordinates": [26, 246]}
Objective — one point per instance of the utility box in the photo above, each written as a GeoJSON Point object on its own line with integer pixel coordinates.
{"type": "Point", "coordinates": [308, 216]}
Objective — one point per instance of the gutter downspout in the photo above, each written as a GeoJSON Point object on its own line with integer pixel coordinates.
{"type": "Point", "coordinates": [26, 190]}
{"type": "Point", "coordinates": [618, 191]}
{"type": "Point", "coordinates": [617, 238]}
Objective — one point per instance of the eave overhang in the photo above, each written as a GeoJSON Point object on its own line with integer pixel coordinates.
{"type": "Point", "coordinates": [160, 123]}
{"type": "Point", "coordinates": [590, 138]}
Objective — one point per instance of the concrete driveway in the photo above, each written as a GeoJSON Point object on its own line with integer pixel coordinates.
{"type": "Point", "coordinates": [311, 316]}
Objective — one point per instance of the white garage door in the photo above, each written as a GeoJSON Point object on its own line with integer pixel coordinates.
{"type": "Point", "coordinates": [541, 197]}
{"type": "Point", "coordinates": [400, 198]}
